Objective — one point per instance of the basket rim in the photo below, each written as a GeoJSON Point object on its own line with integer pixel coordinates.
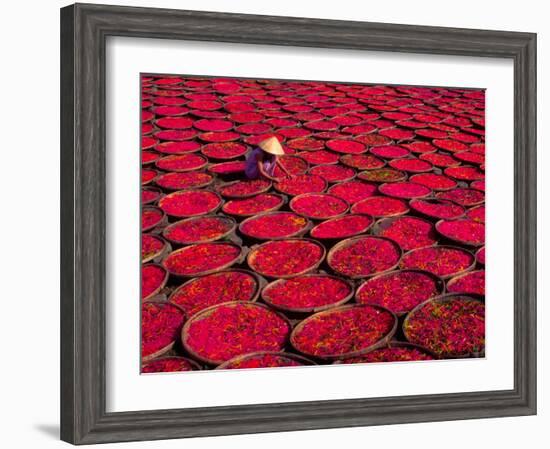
{"type": "Point", "coordinates": [159, 252]}
{"type": "Point", "coordinates": [196, 366]}
{"type": "Point", "coordinates": [185, 329]}
{"type": "Point", "coordinates": [288, 355]}
{"type": "Point", "coordinates": [382, 341]}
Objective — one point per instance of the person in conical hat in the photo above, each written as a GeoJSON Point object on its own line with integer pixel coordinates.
{"type": "Point", "coordinates": [261, 161]}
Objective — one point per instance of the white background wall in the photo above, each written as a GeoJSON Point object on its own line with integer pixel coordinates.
{"type": "Point", "coordinates": [29, 112]}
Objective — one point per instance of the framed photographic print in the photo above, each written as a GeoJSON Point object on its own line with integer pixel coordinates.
{"type": "Point", "coordinates": [322, 224]}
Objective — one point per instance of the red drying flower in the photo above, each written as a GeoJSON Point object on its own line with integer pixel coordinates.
{"type": "Point", "coordinates": [362, 256]}
{"type": "Point", "coordinates": [412, 165]}
{"type": "Point", "coordinates": [342, 227]}
{"type": "Point", "coordinates": [319, 157]}
{"type": "Point", "coordinates": [185, 180]}
{"type": "Point", "coordinates": [398, 352]}
{"type": "Point", "coordinates": [213, 125]}
{"type": "Point", "coordinates": [409, 232]}
{"type": "Point", "coordinates": [434, 181]}
{"type": "Point", "coordinates": [407, 190]}
{"type": "Point", "coordinates": [362, 161]}
{"type": "Point", "coordinates": [364, 128]}
{"type": "Point", "coordinates": [462, 196]}
{"type": "Point", "coordinates": [151, 246]}
{"type": "Point", "coordinates": [262, 360]}
{"type": "Point", "coordinates": [205, 105]}
{"type": "Point", "coordinates": [168, 365]}
{"type": "Point", "coordinates": [264, 202]}
{"type": "Point", "coordinates": [176, 135]}
{"type": "Point", "coordinates": [201, 258]}
{"type": "Point", "coordinates": [472, 282]}
{"type": "Point", "coordinates": [478, 185]}
{"type": "Point", "coordinates": [346, 146]}
{"type": "Point", "coordinates": [174, 122]}
{"type": "Point", "coordinates": [420, 147]}
{"type": "Point", "coordinates": [373, 139]}
{"type": "Point", "coordinates": [431, 133]}
{"type": "Point", "coordinates": [148, 157]}
{"type": "Point", "coordinates": [273, 225]}
{"type": "Point", "coordinates": [450, 145]}
{"type": "Point", "coordinates": [353, 191]}
{"type": "Point", "coordinates": [380, 206]}
{"type": "Point", "coordinates": [307, 293]}
{"type": "Point", "coordinates": [382, 175]}
{"type": "Point", "coordinates": [390, 151]}
{"type": "Point", "coordinates": [189, 203]}
{"type": "Point", "coordinates": [322, 125]}
{"type": "Point", "coordinates": [480, 255]}
{"type": "Point", "coordinates": [319, 206]}
{"type": "Point", "coordinates": [442, 261]}
{"type": "Point", "coordinates": [171, 110]}
{"type": "Point", "coordinates": [306, 143]}
{"type": "Point", "coordinates": [399, 291]}
{"type": "Point", "coordinates": [200, 293]}
{"type": "Point", "coordinates": [147, 175]}
{"type": "Point", "coordinates": [228, 168]}
{"type": "Point", "coordinates": [292, 133]}
{"type": "Point", "coordinates": [343, 332]}
{"type": "Point", "coordinates": [182, 163]}
{"type": "Point", "coordinates": [477, 214]}
{"type": "Point", "coordinates": [437, 208]}
{"type": "Point", "coordinates": [301, 184]}
{"type": "Point", "coordinates": [333, 173]}
{"type": "Point", "coordinates": [467, 232]}
{"type": "Point", "coordinates": [285, 258]}
{"type": "Point", "coordinates": [187, 146]}
{"type": "Point", "coordinates": [199, 229]}
{"type": "Point", "coordinates": [161, 324]}
{"type": "Point", "coordinates": [470, 157]}
{"type": "Point", "coordinates": [149, 195]}
{"type": "Point", "coordinates": [246, 117]}
{"type": "Point", "coordinates": [440, 160]}
{"type": "Point", "coordinates": [153, 278]}
{"type": "Point", "coordinates": [465, 173]}
{"type": "Point", "coordinates": [449, 327]}
{"type": "Point", "coordinates": [150, 217]}
{"type": "Point", "coordinates": [246, 188]}
{"type": "Point", "coordinates": [224, 150]}
{"type": "Point", "coordinates": [228, 136]}
{"type": "Point", "coordinates": [227, 330]}
{"type": "Point", "coordinates": [397, 133]}
{"type": "Point", "coordinates": [148, 142]}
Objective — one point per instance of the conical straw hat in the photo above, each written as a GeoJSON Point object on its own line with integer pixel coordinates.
{"type": "Point", "coordinates": [272, 146]}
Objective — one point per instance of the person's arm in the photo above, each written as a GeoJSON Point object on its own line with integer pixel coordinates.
{"type": "Point", "coordinates": [261, 168]}
{"type": "Point", "coordinates": [283, 168]}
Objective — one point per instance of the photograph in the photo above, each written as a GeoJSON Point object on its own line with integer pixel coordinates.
{"type": "Point", "coordinates": [294, 223]}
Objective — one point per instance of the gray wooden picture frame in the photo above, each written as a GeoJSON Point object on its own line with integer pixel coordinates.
{"type": "Point", "coordinates": [84, 29]}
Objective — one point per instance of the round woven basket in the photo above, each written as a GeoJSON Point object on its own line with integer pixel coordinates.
{"type": "Point", "coordinates": [382, 342]}
{"type": "Point", "coordinates": [297, 198]}
{"type": "Point", "coordinates": [231, 223]}
{"type": "Point", "coordinates": [444, 298]}
{"type": "Point", "coordinates": [205, 312]}
{"type": "Point", "coordinates": [445, 277]}
{"type": "Point", "coordinates": [278, 282]}
{"type": "Point", "coordinates": [298, 233]}
{"type": "Point", "coordinates": [251, 355]}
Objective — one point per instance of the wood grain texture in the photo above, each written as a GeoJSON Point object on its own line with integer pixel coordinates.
{"type": "Point", "coordinates": [84, 29]}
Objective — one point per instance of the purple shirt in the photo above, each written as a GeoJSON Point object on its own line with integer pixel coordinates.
{"type": "Point", "coordinates": [251, 170]}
